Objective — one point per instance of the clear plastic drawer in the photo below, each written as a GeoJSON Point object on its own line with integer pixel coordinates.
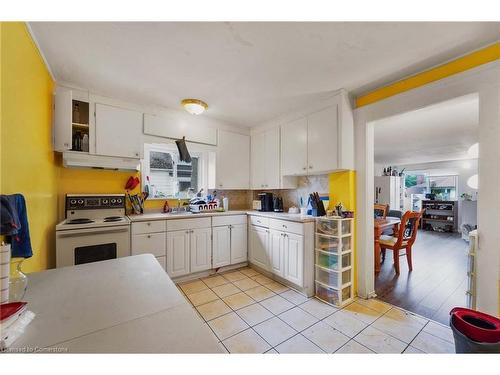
{"type": "Point", "coordinates": [331, 278]}
{"type": "Point", "coordinates": [333, 296]}
{"type": "Point", "coordinates": [332, 244]}
{"type": "Point", "coordinates": [333, 227]}
{"type": "Point", "coordinates": [330, 260]}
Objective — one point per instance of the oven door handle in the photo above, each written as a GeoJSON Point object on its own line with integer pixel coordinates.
{"type": "Point", "coordinates": [86, 232]}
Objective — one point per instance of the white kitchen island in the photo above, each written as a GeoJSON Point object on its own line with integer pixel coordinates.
{"type": "Point", "coordinates": [125, 305]}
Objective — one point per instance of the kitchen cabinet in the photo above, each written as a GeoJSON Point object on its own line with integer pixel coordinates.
{"type": "Point", "coordinates": [72, 121]}
{"type": "Point", "coordinates": [322, 128]}
{"type": "Point", "coordinates": [118, 131]}
{"type": "Point", "coordinates": [178, 250]}
{"type": "Point", "coordinates": [229, 235]}
{"type": "Point", "coordinates": [221, 246]}
{"type": "Point", "coordinates": [320, 141]}
{"type": "Point", "coordinates": [259, 246]}
{"type": "Point", "coordinates": [232, 166]}
{"type": "Point", "coordinates": [239, 251]}
{"type": "Point", "coordinates": [277, 252]}
{"type": "Point", "coordinates": [266, 162]}
{"type": "Point", "coordinates": [286, 249]}
{"type": "Point", "coordinates": [294, 148]}
{"type": "Point", "coordinates": [200, 249]}
{"type": "Point", "coordinates": [293, 245]}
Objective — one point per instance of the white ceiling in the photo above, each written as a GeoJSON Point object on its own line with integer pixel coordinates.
{"type": "Point", "coordinates": [248, 73]}
{"type": "Point", "coordinates": [444, 131]}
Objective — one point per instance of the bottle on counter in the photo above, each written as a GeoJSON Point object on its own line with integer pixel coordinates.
{"type": "Point", "coordinates": [225, 203]}
{"type": "Point", "coordinates": [85, 143]}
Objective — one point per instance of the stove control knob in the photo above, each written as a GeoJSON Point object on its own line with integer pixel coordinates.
{"type": "Point", "coordinates": [105, 201]}
{"type": "Point", "coordinates": [72, 201]}
{"type": "Point", "coordinates": [119, 200]}
{"type": "Point", "coordinates": [113, 201]}
{"type": "Point", "coordinates": [80, 201]}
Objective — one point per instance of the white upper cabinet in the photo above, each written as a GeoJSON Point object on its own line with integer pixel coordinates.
{"type": "Point", "coordinates": [232, 169]}
{"type": "Point", "coordinates": [294, 148]}
{"type": "Point", "coordinates": [118, 131]}
{"type": "Point", "coordinates": [319, 142]}
{"type": "Point", "coordinates": [322, 129]}
{"type": "Point", "coordinates": [265, 162]}
{"type": "Point", "coordinates": [62, 119]}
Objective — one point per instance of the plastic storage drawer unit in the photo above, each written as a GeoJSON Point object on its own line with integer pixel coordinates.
{"type": "Point", "coordinates": [330, 260]}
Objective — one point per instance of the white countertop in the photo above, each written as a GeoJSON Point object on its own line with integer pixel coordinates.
{"type": "Point", "coordinates": [273, 215]}
{"type": "Point", "coordinates": [125, 305]}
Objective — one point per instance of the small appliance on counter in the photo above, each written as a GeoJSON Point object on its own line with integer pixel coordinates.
{"type": "Point", "coordinates": [266, 202]}
{"type": "Point", "coordinates": [277, 204]}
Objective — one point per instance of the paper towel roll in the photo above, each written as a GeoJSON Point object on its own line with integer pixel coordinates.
{"type": "Point", "coordinates": [4, 273]}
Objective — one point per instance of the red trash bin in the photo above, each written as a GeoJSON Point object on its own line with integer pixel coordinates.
{"type": "Point", "coordinates": [474, 331]}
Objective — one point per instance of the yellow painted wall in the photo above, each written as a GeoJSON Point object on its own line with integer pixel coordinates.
{"type": "Point", "coordinates": [472, 60]}
{"type": "Point", "coordinates": [343, 189]}
{"type": "Point", "coordinates": [27, 162]}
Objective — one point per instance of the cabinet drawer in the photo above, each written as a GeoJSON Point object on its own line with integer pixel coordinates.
{"type": "Point", "coordinates": [286, 226]}
{"type": "Point", "coordinates": [149, 243]}
{"type": "Point", "coordinates": [218, 221]}
{"type": "Point", "coordinates": [183, 224]}
{"type": "Point", "coordinates": [259, 221]}
{"type": "Point", "coordinates": [163, 262]}
{"type": "Point", "coordinates": [149, 226]}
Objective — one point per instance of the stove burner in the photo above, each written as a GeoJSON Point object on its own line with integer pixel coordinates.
{"type": "Point", "coordinates": [112, 218]}
{"type": "Point", "coordinates": [80, 221]}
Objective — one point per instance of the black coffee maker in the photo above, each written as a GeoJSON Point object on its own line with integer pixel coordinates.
{"type": "Point", "coordinates": [266, 202]}
{"type": "Point", "coordinates": [278, 204]}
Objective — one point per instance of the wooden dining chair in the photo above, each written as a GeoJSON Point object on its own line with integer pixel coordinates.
{"type": "Point", "coordinates": [380, 210]}
{"type": "Point", "coordinates": [404, 239]}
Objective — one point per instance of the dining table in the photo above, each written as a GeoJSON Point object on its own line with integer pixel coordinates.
{"type": "Point", "coordinates": [379, 225]}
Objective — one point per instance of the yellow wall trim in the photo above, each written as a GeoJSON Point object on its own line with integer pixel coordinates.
{"type": "Point", "coordinates": [472, 60]}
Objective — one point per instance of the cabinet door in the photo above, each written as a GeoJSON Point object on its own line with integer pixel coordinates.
{"type": "Point", "coordinates": [294, 148]}
{"type": "Point", "coordinates": [258, 161]}
{"type": "Point", "coordinates": [63, 106]}
{"type": "Point", "coordinates": [221, 246]}
{"type": "Point", "coordinates": [238, 243]}
{"type": "Point", "coordinates": [322, 140]}
{"type": "Point", "coordinates": [259, 244]}
{"type": "Point", "coordinates": [276, 250]}
{"type": "Point", "coordinates": [232, 168]}
{"type": "Point", "coordinates": [118, 132]}
{"type": "Point", "coordinates": [178, 253]}
{"type": "Point", "coordinates": [272, 159]}
{"type": "Point", "coordinates": [201, 249]}
{"type": "Point", "coordinates": [294, 258]}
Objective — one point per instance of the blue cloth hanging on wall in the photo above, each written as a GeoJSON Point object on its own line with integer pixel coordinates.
{"type": "Point", "coordinates": [14, 224]}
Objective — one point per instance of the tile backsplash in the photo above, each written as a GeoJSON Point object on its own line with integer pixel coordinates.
{"type": "Point", "coordinates": [242, 199]}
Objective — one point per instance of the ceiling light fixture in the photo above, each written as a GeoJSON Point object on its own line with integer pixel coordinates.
{"type": "Point", "coordinates": [473, 151]}
{"type": "Point", "coordinates": [194, 106]}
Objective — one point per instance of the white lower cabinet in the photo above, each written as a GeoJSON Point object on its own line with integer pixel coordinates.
{"type": "Point", "coordinates": [282, 252]}
{"type": "Point", "coordinates": [239, 251]}
{"type": "Point", "coordinates": [277, 252]}
{"type": "Point", "coordinates": [221, 246]}
{"type": "Point", "coordinates": [163, 262]}
{"type": "Point", "coordinates": [200, 249]}
{"type": "Point", "coordinates": [259, 246]}
{"type": "Point", "coordinates": [178, 253]}
{"type": "Point", "coordinates": [229, 244]}
{"type": "Point", "coordinates": [293, 245]}
{"type": "Point", "coordinates": [188, 251]}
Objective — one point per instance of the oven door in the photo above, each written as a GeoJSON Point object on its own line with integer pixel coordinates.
{"type": "Point", "coordinates": [79, 246]}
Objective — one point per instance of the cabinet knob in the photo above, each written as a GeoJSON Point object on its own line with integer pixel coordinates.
{"type": "Point", "coordinates": [310, 167]}
{"type": "Point", "coordinates": [136, 154]}
{"type": "Point", "coordinates": [149, 224]}
{"type": "Point", "coordinates": [149, 236]}
{"type": "Point", "coordinates": [304, 168]}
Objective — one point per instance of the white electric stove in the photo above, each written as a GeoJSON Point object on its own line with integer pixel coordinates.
{"type": "Point", "coordinates": [95, 229]}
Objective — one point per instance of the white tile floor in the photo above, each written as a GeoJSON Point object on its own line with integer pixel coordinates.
{"type": "Point", "coordinates": [250, 313]}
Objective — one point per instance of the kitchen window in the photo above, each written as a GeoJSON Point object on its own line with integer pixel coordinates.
{"type": "Point", "coordinates": [168, 176]}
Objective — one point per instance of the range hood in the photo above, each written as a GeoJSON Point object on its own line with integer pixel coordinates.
{"type": "Point", "coordinates": [73, 159]}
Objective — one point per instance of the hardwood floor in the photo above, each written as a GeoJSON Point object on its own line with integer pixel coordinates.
{"type": "Point", "coordinates": [437, 282]}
